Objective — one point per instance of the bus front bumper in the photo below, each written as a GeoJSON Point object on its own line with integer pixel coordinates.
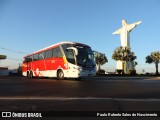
{"type": "Point", "coordinates": [85, 73]}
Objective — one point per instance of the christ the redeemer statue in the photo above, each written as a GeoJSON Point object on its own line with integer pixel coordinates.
{"type": "Point", "coordinates": [124, 32]}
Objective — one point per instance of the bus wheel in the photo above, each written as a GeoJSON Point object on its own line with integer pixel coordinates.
{"type": "Point", "coordinates": [79, 78]}
{"type": "Point", "coordinates": [28, 74]}
{"type": "Point", "coordinates": [31, 74]}
{"type": "Point", "coordinates": [60, 75]}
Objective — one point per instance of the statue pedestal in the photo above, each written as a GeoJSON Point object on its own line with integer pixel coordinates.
{"type": "Point", "coordinates": [128, 66]}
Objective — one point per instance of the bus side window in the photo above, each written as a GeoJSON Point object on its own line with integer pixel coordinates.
{"type": "Point", "coordinates": [70, 56]}
{"type": "Point", "coordinates": [42, 56]}
{"type": "Point", "coordinates": [65, 46]}
{"type": "Point", "coordinates": [68, 53]}
{"type": "Point", "coordinates": [48, 54]}
{"type": "Point", "coordinates": [28, 59]}
{"type": "Point", "coordinates": [57, 52]}
{"type": "Point", "coordinates": [35, 57]}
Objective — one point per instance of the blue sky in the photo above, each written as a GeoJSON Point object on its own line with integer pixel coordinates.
{"type": "Point", "coordinates": [30, 25]}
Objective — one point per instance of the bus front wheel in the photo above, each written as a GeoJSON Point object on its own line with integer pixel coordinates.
{"type": "Point", "coordinates": [60, 75]}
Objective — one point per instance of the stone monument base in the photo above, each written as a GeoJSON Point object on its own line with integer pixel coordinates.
{"type": "Point", "coordinates": [127, 66]}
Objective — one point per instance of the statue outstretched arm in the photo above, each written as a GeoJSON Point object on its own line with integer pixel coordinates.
{"type": "Point", "coordinates": [118, 31]}
{"type": "Point", "coordinates": [133, 25]}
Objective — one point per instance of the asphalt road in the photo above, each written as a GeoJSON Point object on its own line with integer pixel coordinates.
{"type": "Point", "coordinates": [88, 94]}
{"type": "Point", "coordinates": [99, 87]}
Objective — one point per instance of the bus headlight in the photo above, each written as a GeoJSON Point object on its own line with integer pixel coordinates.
{"type": "Point", "coordinates": [80, 69]}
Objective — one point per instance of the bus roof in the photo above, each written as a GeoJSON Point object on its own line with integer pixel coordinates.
{"type": "Point", "coordinates": [55, 45]}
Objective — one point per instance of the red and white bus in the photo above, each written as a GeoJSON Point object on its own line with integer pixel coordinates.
{"type": "Point", "coordinates": [61, 60]}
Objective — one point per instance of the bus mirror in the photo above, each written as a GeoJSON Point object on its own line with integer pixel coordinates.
{"type": "Point", "coordinates": [74, 49]}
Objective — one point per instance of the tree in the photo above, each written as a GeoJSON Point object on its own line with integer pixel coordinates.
{"type": "Point", "coordinates": [19, 70]}
{"type": "Point", "coordinates": [3, 57]}
{"type": "Point", "coordinates": [100, 59]}
{"type": "Point", "coordinates": [154, 57]}
{"type": "Point", "coordinates": [123, 54]}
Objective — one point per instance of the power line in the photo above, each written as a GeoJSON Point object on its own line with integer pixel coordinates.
{"type": "Point", "coordinates": [13, 50]}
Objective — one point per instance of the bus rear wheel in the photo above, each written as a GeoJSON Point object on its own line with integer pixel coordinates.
{"type": "Point", "coordinates": [60, 75]}
{"type": "Point", "coordinates": [30, 74]}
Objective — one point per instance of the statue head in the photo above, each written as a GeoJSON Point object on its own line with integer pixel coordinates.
{"type": "Point", "coordinates": [124, 22]}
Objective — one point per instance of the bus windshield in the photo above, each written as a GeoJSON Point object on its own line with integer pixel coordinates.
{"type": "Point", "coordinates": [85, 57]}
